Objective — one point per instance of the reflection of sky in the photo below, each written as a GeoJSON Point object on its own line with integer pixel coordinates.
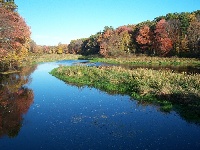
{"type": "Point", "coordinates": [68, 117]}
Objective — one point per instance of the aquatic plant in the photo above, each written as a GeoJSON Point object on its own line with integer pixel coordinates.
{"type": "Point", "coordinates": [163, 87]}
{"type": "Point", "coordinates": [146, 60]}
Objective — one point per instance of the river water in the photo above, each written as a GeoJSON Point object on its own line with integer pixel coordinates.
{"type": "Point", "coordinates": [39, 111]}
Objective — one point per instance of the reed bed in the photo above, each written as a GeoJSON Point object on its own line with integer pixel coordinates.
{"type": "Point", "coordinates": [162, 87]}
{"type": "Point", "coordinates": [35, 59]}
{"type": "Point", "coordinates": [146, 60]}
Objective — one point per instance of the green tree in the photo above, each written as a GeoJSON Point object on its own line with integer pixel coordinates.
{"type": "Point", "coordinates": [185, 22]}
{"type": "Point", "coordinates": [91, 45]}
{"type": "Point", "coordinates": [8, 4]}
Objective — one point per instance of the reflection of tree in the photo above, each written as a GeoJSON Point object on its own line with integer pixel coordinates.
{"type": "Point", "coordinates": [189, 110]}
{"type": "Point", "coordinates": [187, 107]}
{"type": "Point", "coordinates": [15, 100]}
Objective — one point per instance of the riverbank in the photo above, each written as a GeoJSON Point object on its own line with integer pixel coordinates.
{"type": "Point", "coordinates": [35, 59]}
{"type": "Point", "coordinates": [146, 60]}
{"type": "Point", "coordinates": [163, 87]}
{"type": "Point", "coordinates": [129, 60]}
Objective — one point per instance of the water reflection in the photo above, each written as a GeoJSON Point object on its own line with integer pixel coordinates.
{"type": "Point", "coordinates": [15, 100]}
{"type": "Point", "coordinates": [67, 117]}
{"type": "Point", "coordinates": [189, 110]}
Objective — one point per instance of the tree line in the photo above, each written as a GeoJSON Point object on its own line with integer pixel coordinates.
{"type": "Point", "coordinates": [175, 34]}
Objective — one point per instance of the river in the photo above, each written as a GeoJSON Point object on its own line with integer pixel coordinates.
{"type": "Point", "coordinates": [39, 111]}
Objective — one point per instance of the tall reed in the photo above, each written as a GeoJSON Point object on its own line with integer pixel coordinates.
{"type": "Point", "coordinates": [163, 87]}
{"type": "Point", "coordinates": [147, 60]}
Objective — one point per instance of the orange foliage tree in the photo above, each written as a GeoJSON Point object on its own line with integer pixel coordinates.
{"type": "Point", "coordinates": [163, 44]}
{"type": "Point", "coordinates": [14, 37]}
{"type": "Point", "coordinates": [145, 38]}
{"type": "Point", "coordinates": [115, 42]}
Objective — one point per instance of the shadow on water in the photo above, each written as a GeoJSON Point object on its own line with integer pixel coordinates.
{"type": "Point", "coordinates": [66, 117]}
{"type": "Point", "coordinates": [15, 100]}
{"type": "Point", "coordinates": [188, 107]}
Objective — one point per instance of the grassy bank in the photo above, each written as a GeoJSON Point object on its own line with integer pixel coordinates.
{"type": "Point", "coordinates": [146, 60]}
{"type": "Point", "coordinates": [35, 59]}
{"type": "Point", "coordinates": [163, 88]}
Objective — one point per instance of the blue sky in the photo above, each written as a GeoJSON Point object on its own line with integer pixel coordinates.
{"type": "Point", "coordinates": [54, 21]}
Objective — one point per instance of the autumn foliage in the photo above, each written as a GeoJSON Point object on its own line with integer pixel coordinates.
{"type": "Point", "coordinates": [176, 34]}
{"type": "Point", "coordinates": [145, 38]}
{"type": "Point", "coordinates": [15, 101]}
{"type": "Point", "coordinates": [163, 44]}
{"type": "Point", "coordinates": [14, 37]}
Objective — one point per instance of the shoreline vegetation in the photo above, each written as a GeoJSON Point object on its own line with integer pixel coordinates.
{"type": "Point", "coordinates": [164, 88]}
{"type": "Point", "coordinates": [36, 59]}
{"type": "Point", "coordinates": [128, 60]}
{"type": "Point", "coordinates": [131, 60]}
{"type": "Point", "coordinates": [143, 84]}
{"type": "Point", "coordinates": [145, 60]}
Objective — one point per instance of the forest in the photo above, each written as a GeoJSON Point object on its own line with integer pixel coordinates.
{"type": "Point", "coordinates": [175, 34]}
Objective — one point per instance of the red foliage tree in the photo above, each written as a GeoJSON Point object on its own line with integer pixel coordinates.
{"type": "Point", "coordinates": [14, 34]}
{"type": "Point", "coordinates": [121, 29]}
{"type": "Point", "coordinates": [104, 39]}
{"type": "Point", "coordinates": [145, 38]}
{"type": "Point", "coordinates": [163, 44]}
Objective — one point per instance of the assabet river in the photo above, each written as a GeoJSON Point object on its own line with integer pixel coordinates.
{"type": "Point", "coordinates": [38, 111]}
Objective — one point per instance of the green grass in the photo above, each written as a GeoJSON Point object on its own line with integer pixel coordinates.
{"type": "Point", "coordinates": [177, 91]}
{"type": "Point", "coordinates": [35, 59]}
{"type": "Point", "coordinates": [146, 60]}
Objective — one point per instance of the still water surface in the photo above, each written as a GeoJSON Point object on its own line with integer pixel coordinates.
{"type": "Point", "coordinates": [47, 113]}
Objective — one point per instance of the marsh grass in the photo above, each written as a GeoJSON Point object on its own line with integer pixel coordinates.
{"type": "Point", "coordinates": [35, 59]}
{"type": "Point", "coordinates": [9, 72]}
{"type": "Point", "coordinates": [164, 88]}
{"type": "Point", "coordinates": [146, 60]}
